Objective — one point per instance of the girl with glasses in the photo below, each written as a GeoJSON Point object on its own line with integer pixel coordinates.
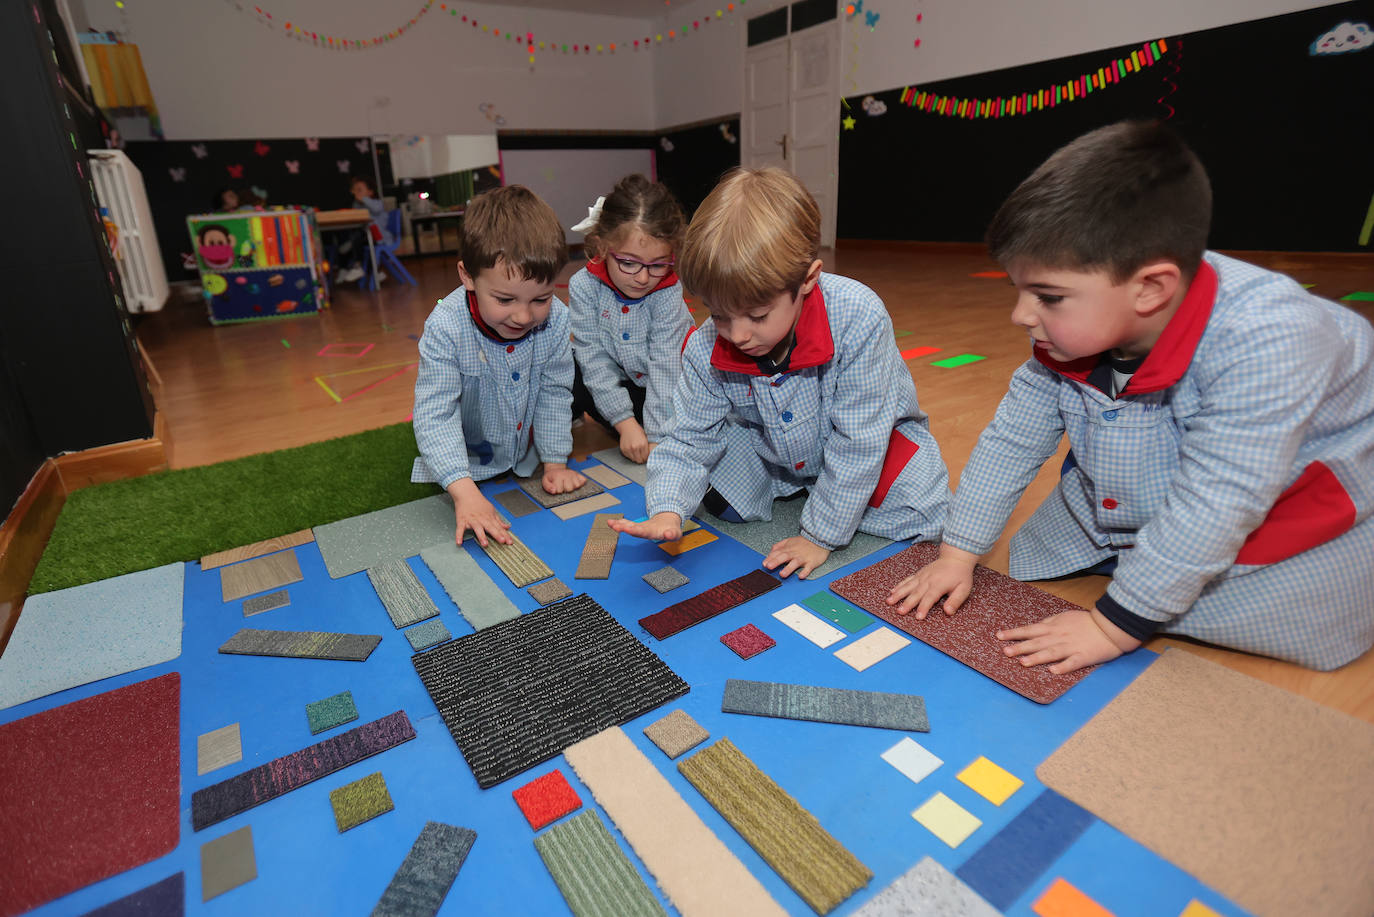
{"type": "Point", "coordinates": [629, 320]}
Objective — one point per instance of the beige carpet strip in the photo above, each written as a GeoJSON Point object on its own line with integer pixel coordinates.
{"type": "Point", "coordinates": [697, 872]}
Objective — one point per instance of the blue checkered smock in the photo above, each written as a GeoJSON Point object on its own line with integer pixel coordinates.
{"type": "Point", "coordinates": [824, 428]}
{"type": "Point", "coordinates": [484, 407]}
{"type": "Point", "coordinates": [1271, 417]}
{"type": "Point", "coordinates": [636, 339]}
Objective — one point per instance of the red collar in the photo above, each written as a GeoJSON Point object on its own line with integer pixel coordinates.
{"type": "Point", "coordinates": [485, 328]}
{"type": "Point", "coordinates": [813, 346]}
{"type": "Point", "coordinates": [597, 268]}
{"type": "Point", "coordinates": [1169, 359]}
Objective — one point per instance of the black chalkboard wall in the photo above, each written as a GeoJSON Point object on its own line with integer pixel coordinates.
{"type": "Point", "coordinates": [1287, 136]}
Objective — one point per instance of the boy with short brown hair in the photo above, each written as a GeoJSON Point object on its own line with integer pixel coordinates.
{"type": "Point", "coordinates": [1220, 419]}
{"type": "Point", "coordinates": [493, 392]}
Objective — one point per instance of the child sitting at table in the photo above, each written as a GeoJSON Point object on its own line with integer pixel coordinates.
{"type": "Point", "coordinates": [493, 392]}
{"type": "Point", "coordinates": [355, 247]}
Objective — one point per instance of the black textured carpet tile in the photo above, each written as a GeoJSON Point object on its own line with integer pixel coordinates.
{"type": "Point", "coordinates": [301, 644]}
{"type": "Point", "coordinates": [215, 803]}
{"type": "Point", "coordinates": [521, 691]}
{"type": "Point", "coordinates": [710, 603]}
{"type": "Point", "coordinates": [419, 886]}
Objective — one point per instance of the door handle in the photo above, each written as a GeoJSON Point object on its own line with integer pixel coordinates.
{"type": "Point", "coordinates": [783, 143]}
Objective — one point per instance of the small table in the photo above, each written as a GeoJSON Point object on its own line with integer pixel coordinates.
{"type": "Point", "coordinates": [351, 218]}
{"type": "Point", "coordinates": [435, 218]}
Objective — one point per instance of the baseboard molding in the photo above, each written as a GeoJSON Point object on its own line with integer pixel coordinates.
{"type": "Point", "coordinates": [115, 462]}
{"type": "Point", "coordinates": [25, 532]}
{"type": "Point", "coordinates": [23, 537]}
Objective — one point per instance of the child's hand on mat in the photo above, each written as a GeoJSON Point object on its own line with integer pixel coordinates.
{"type": "Point", "coordinates": [950, 575]}
{"type": "Point", "coordinates": [473, 511]}
{"type": "Point", "coordinates": [559, 479]}
{"type": "Point", "coordinates": [1070, 640]}
{"type": "Point", "coordinates": [634, 444]}
{"type": "Point", "coordinates": [801, 555]}
{"type": "Point", "coordinates": [659, 527]}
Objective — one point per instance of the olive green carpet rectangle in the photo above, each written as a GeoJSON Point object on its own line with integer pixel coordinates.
{"type": "Point", "coordinates": [808, 858]}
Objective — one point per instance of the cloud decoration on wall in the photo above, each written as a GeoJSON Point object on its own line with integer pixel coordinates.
{"type": "Point", "coordinates": [874, 107]}
{"type": "Point", "coordinates": [1346, 37]}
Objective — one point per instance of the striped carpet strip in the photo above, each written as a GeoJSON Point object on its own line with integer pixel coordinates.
{"type": "Point", "coordinates": [595, 876]}
{"type": "Point", "coordinates": [808, 858]}
{"type": "Point", "coordinates": [698, 874]}
{"type": "Point", "coordinates": [405, 599]}
{"type": "Point", "coordinates": [517, 561]}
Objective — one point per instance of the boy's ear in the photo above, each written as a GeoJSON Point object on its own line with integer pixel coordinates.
{"type": "Point", "coordinates": [1157, 284]}
{"type": "Point", "coordinates": [813, 276]}
{"type": "Point", "coordinates": [464, 277]}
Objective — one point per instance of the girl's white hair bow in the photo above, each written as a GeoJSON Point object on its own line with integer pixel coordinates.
{"type": "Point", "coordinates": [593, 216]}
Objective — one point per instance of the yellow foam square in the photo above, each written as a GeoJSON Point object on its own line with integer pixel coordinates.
{"type": "Point", "coordinates": [1196, 908]}
{"type": "Point", "coordinates": [946, 819]}
{"type": "Point", "coordinates": [990, 781]}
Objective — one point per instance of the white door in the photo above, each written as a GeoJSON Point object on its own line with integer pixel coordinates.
{"type": "Point", "coordinates": [791, 112]}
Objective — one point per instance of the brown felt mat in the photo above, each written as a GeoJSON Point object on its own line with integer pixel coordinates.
{"type": "Point", "coordinates": [599, 550]}
{"type": "Point", "coordinates": [605, 475]}
{"type": "Point", "coordinates": [549, 591]}
{"type": "Point", "coordinates": [808, 857]}
{"type": "Point", "coordinates": [997, 602]}
{"type": "Point", "coordinates": [1261, 794]}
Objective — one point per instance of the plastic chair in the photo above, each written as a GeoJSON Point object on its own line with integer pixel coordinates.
{"type": "Point", "coordinates": [386, 255]}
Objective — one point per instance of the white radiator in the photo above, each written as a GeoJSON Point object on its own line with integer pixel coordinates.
{"type": "Point", "coordinates": [119, 185]}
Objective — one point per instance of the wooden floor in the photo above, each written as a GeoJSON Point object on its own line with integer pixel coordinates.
{"type": "Point", "coordinates": [236, 390]}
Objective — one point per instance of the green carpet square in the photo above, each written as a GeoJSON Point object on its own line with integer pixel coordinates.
{"type": "Point", "coordinates": [962, 360]}
{"type": "Point", "coordinates": [331, 712]}
{"type": "Point", "coordinates": [360, 801]}
{"type": "Point", "coordinates": [833, 608]}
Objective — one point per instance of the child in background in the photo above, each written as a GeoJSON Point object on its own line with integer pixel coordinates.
{"type": "Point", "coordinates": [494, 388]}
{"type": "Point", "coordinates": [1221, 422]}
{"type": "Point", "coordinates": [365, 196]}
{"type": "Point", "coordinates": [629, 320]}
{"type": "Point", "coordinates": [794, 386]}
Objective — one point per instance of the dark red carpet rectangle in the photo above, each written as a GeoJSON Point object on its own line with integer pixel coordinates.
{"type": "Point", "coordinates": [997, 602]}
{"type": "Point", "coordinates": [225, 799]}
{"type": "Point", "coordinates": [710, 603]}
{"type": "Point", "coordinates": [88, 790]}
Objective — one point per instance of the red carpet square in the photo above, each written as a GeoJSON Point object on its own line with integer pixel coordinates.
{"type": "Point", "coordinates": [88, 790]}
{"type": "Point", "coordinates": [546, 799]}
{"type": "Point", "coordinates": [748, 641]}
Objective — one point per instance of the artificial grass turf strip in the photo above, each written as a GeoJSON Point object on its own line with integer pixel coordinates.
{"type": "Point", "coordinates": [136, 524]}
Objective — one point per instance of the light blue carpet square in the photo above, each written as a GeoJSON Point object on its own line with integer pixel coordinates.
{"type": "Point", "coordinates": [83, 634]}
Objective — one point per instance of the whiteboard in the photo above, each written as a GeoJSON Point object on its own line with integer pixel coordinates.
{"type": "Point", "coordinates": [571, 180]}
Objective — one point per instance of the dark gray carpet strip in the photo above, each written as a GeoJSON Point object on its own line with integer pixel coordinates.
{"type": "Point", "coordinates": [215, 803]}
{"type": "Point", "coordinates": [826, 705]}
{"type": "Point", "coordinates": [428, 871]}
{"type": "Point", "coordinates": [301, 644]}
{"type": "Point", "coordinates": [521, 691]}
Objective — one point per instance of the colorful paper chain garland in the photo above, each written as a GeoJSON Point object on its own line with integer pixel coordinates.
{"type": "Point", "coordinates": [1113, 72]}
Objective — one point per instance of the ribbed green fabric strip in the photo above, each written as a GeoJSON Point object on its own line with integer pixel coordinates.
{"type": "Point", "coordinates": [808, 858]}
{"type": "Point", "coordinates": [595, 876]}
